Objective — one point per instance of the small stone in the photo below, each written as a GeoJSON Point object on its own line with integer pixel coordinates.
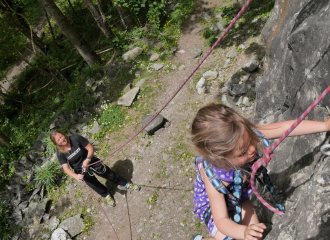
{"type": "Point", "coordinates": [210, 75]}
{"type": "Point", "coordinates": [181, 67]}
{"type": "Point", "coordinates": [218, 15]}
{"type": "Point", "coordinates": [250, 65]}
{"type": "Point", "coordinates": [196, 52]}
{"type": "Point", "coordinates": [90, 82]}
{"type": "Point", "coordinates": [246, 102]}
{"type": "Point", "coordinates": [127, 88]}
{"type": "Point", "coordinates": [232, 53]}
{"type": "Point", "coordinates": [141, 82]}
{"type": "Point", "coordinates": [165, 156]}
{"type": "Point", "coordinates": [157, 66]}
{"type": "Point", "coordinates": [206, 16]}
{"type": "Point", "coordinates": [128, 98]}
{"type": "Point", "coordinates": [132, 54]}
{"type": "Point", "coordinates": [240, 101]}
{"type": "Point", "coordinates": [154, 57]}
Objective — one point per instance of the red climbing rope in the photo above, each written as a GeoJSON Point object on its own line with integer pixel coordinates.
{"type": "Point", "coordinates": [102, 210]}
{"type": "Point", "coordinates": [267, 152]}
{"type": "Point", "coordinates": [177, 91]}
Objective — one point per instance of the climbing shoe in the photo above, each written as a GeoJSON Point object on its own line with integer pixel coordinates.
{"type": "Point", "coordinates": [197, 237]}
{"type": "Point", "coordinates": [110, 200]}
{"type": "Point", "coordinates": [132, 186]}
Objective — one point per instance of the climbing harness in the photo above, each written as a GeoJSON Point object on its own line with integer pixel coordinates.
{"type": "Point", "coordinates": [220, 187]}
{"type": "Point", "coordinates": [233, 193]}
{"type": "Point", "coordinates": [268, 156]}
{"type": "Point", "coordinates": [97, 168]}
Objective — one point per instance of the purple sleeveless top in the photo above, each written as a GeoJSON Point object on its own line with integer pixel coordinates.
{"type": "Point", "coordinates": [201, 199]}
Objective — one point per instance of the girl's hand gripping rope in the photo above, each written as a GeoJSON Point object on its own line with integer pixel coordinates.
{"type": "Point", "coordinates": [254, 231]}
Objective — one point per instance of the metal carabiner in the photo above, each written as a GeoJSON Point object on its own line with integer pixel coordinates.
{"type": "Point", "coordinates": [324, 148]}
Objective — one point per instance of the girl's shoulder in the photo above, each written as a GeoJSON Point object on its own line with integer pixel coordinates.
{"type": "Point", "coordinates": [222, 174]}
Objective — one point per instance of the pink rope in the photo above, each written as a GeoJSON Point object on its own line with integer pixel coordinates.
{"type": "Point", "coordinates": [177, 91]}
{"type": "Point", "coordinates": [267, 152]}
{"type": "Point", "coordinates": [102, 210]}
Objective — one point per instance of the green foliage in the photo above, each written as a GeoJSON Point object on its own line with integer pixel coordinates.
{"type": "Point", "coordinates": [50, 146]}
{"type": "Point", "coordinates": [112, 119]}
{"type": "Point", "coordinates": [152, 200]}
{"type": "Point", "coordinates": [77, 98]}
{"type": "Point", "coordinates": [48, 174]}
{"type": "Point", "coordinates": [30, 187]}
{"type": "Point", "coordinates": [7, 230]}
{"type": "Point", "coordinates": [207, 33]}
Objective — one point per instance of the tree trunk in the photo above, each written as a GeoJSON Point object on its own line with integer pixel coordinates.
{"type": "Point", "coordinates": [99, 20]}
{"type": "Point", "coordinates": [4, 140]}
{"type": "Point", "coordinates": [14, 17]}
{"type": "Point", "coordinates": [125, 18]}
{"type": "Point", "coordinates": [84, 49]}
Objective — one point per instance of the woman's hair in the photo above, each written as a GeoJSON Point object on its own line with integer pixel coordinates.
{"type": "Point", "coordinates": [215, 132]}
{"type": "Point", "coordinates": [52, 138]}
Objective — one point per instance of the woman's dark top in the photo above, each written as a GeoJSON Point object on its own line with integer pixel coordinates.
{"type": "Point", "coordinates": [77, 154]}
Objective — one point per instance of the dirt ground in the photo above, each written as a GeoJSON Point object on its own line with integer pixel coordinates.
{"type": "Point", "coordinates": [163, 163]}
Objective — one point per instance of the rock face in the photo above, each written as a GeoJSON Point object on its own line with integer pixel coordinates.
{"type": "Point", "coordinates": [296, 72]}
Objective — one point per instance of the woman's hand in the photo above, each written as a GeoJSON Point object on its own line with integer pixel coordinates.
{"type": "Point", "coordinates": [254, 231]}
{"type": "Point", "coordinates": [80, 177]}
{"type": "Point", "coordinates": [85, 164]}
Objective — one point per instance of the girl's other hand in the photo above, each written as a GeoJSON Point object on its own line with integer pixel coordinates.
{"type": "Point", "coordinates": [80, 177]}
{"type": "Point", "coordinates": [254, 231]}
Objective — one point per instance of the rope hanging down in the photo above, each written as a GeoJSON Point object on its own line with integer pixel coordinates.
{"type": "Point", "coordinates": [177, 91]}
{"type": "Point", "coordinates": [267, 152]}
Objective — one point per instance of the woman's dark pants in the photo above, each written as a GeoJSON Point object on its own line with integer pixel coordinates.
{"type": "Point", "coordinates": [98, 187]}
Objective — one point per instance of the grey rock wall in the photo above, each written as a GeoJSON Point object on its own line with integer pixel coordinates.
{"type": "Point", "coordinates": [296, 72]}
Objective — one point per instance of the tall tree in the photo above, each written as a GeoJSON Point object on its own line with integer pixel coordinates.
{"type": "Point", "coordinates": [101, 21]}
{"type": "Point", "coordinates": [14, 16]}
{"type": "Point", "coordinates": [124, 16]}
{"type": "Point", "coordinates": [84, 49]}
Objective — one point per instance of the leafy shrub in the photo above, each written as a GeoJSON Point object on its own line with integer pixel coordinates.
{"type": "Point", "coordinates": [77, 98]}
{"type": "Point", "coordinates": [113, 118]}
{"type": "Point", "coordinates": [50, 147]}
{"type": "Point", "coordinates": [48, 174]}
{"type": "Point", "coordinates": [207, 33]}
{"type": "Point", "coordinates": [7, 230]}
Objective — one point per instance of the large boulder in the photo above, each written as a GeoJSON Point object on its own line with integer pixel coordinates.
{"type": "Point", "coordinates": [132, 54]}
{"type": "Point", "coordinates": [296, 71]}
{"type": "Point", "coordinates": [73, 225]}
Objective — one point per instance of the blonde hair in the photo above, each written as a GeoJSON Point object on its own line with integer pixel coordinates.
{"type": "Point", "coordinates": [215, 132]}
{"type": "Point", "coordinates": [52, 138]}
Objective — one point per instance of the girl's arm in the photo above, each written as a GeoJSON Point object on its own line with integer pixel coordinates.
{"type": "Point", "coordinates": [220, 214]}
{"type": "Point", "coordinates": [71, 173]}
{"type": "Point", "coordinates": [276, 130]}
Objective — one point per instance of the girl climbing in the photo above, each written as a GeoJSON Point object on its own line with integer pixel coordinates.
{"type": "Point", "coordinates": [75, 153]}
{"type": "Point", "coordinates": [227, 144]}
